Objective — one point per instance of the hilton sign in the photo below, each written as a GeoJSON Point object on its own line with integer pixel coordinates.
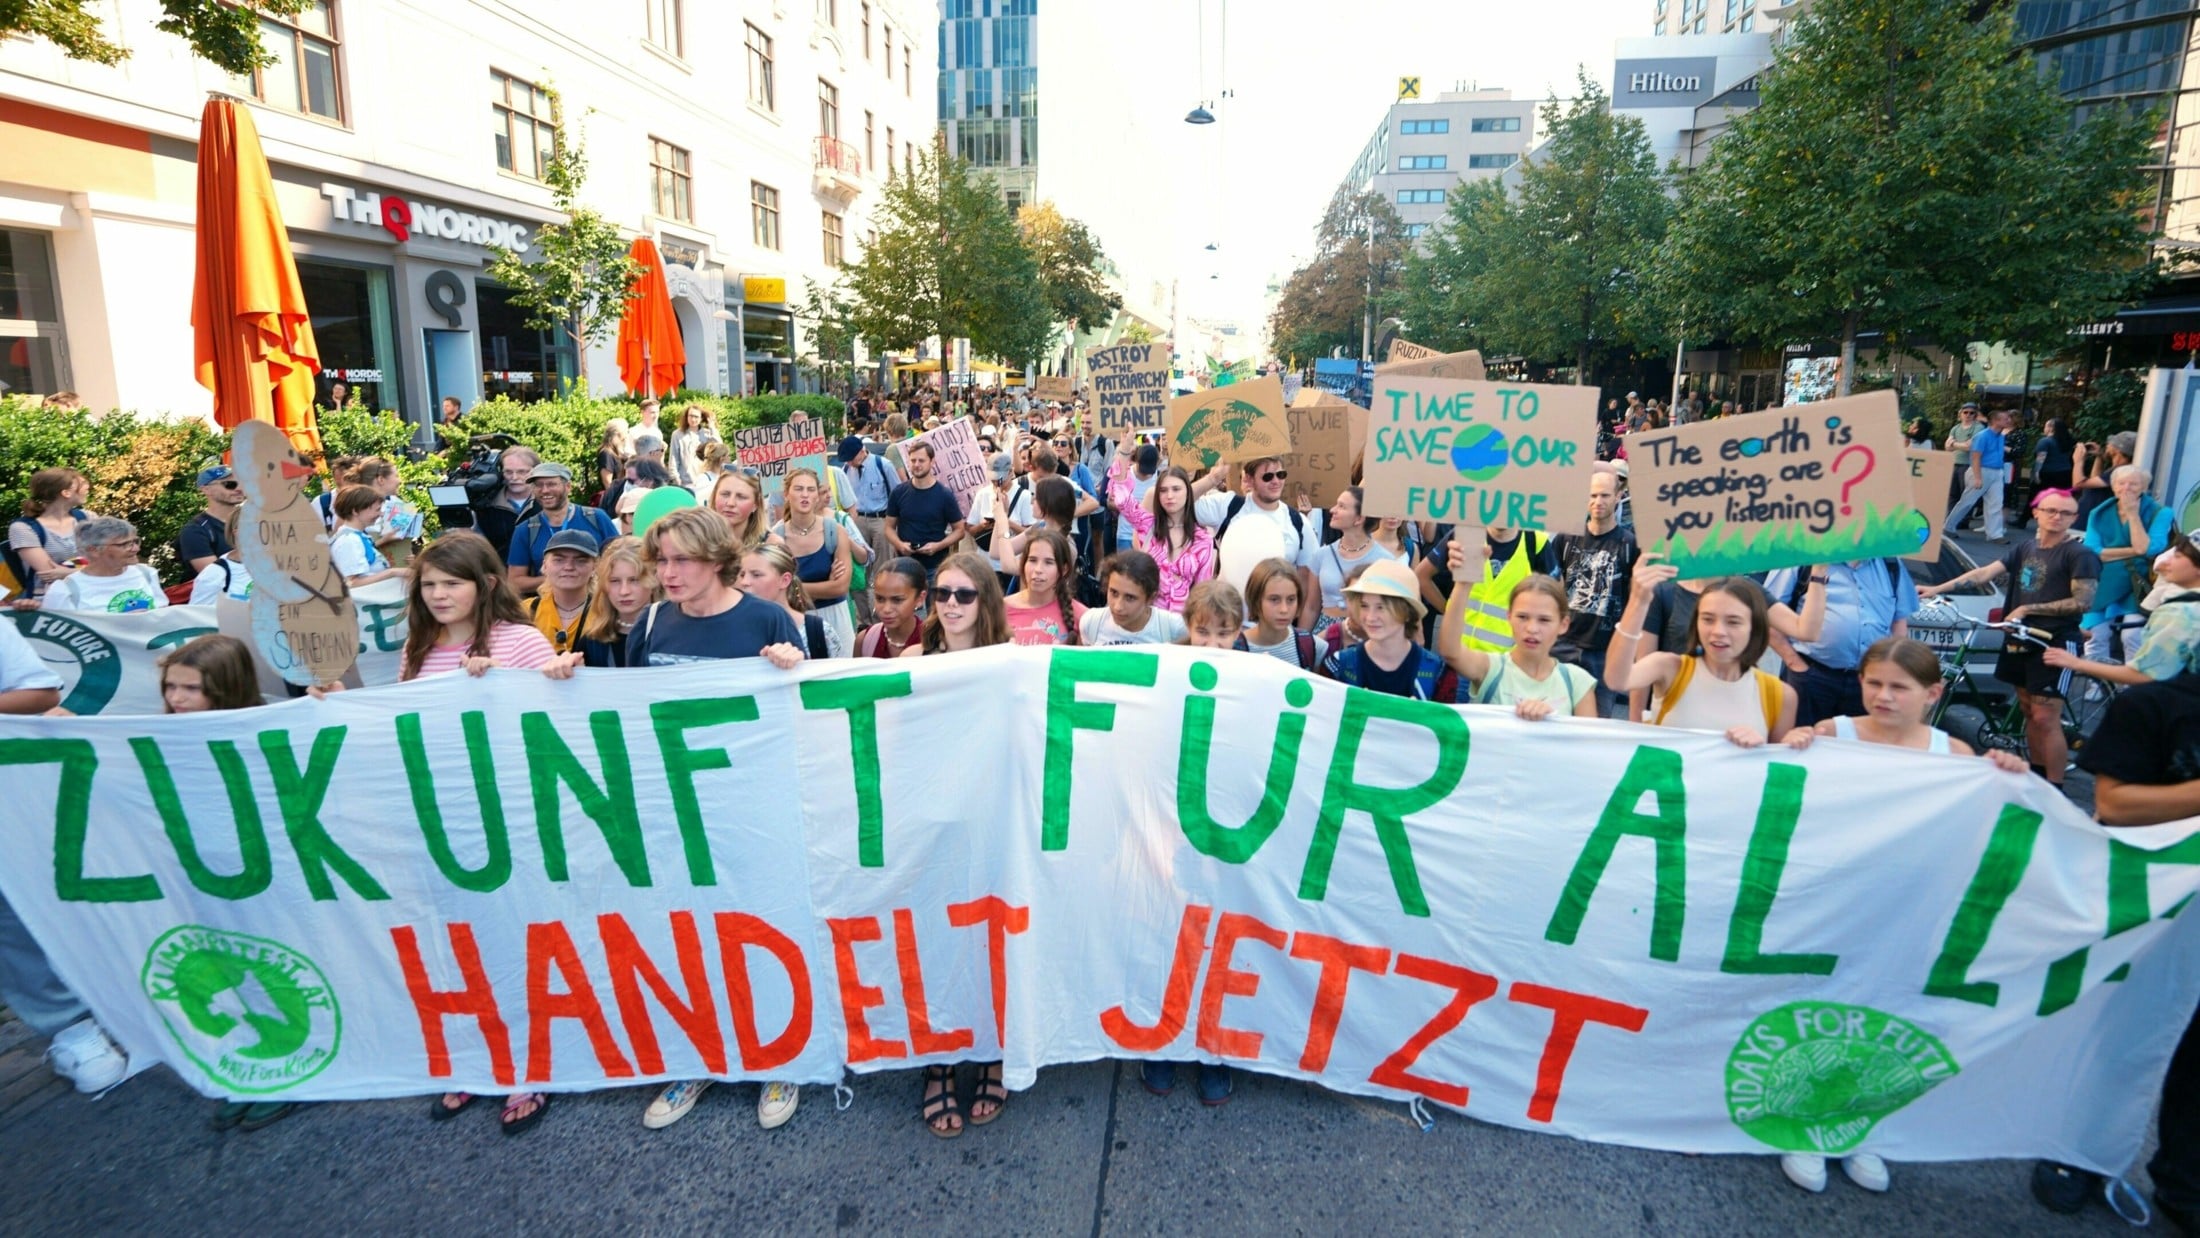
{"type": "Point", "coordinates": [1679, 81]}
{"type": "Point", "coordinates": [1663, 83]}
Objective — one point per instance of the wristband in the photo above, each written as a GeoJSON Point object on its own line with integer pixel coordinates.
{"type": "Point", "coordinates": [1634, 635]}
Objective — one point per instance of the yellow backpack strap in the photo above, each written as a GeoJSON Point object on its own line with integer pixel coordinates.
{"type": "Point", "coordinates": [1768, 695]}
{"type": "Point", "coordinates": [1673, 694]}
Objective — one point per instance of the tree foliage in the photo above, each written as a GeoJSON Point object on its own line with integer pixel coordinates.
{"type": "Point", "coordinates": [1069, 260]}
{"type": "Point", "coordinates": [1443, 303]}
{"type": "Point", "coordinates": [1360, 248]}
{"type": "Point", "coordinates": [576, 282]}
{"type": "Point", "coordinates": [831, 334]}
{"type": "Point", "coordinates": [949, 262]}
{"type": "Point", "coordinates": [224, 33]}
{"type": "Point", "coordinates": [1906, 170]}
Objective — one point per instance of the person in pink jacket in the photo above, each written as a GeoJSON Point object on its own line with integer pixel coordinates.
{"type": "Point", "coordinates": [1165, 527]}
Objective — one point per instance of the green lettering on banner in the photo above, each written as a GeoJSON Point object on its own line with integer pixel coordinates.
{"type": "Point", "coordinates": [2130, 904]}
{"type": "Point", "coordinates": [860, 695]}
{"type": "Point", "coordinates": [1655, 772]}
{"type": "Point", "coordinates": [2008, 853]}
{"type": "Point", "coordinates": [1762, 867]}
{"type": "Point", "coordinates": [1234, 845]}
{"type": "Point", "coordinates": [672, 720]}
{"type": "Point", "coordinates": [72, 821]}
{"type": "Point", "coordinates": [496, 866]}
{"type": "Point", "coordinates": [1387, 806]}
{"type": "Point", "coordinates": [1066, 715]}
{"type": "Point", "coordinates": [611, 806]}
{"type": "Point", "coordinates": [244, 805]}
{"type": "Point", "coordinates": [299, 797]}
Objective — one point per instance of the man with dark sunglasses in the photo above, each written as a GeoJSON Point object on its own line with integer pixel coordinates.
{"type": "Point", "coordinates": [1300, 532]}
{"type": "Point", "coordinates": [205, 537]}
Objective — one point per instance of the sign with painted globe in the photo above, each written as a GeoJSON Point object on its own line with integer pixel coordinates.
{"type": "Point", "coordinates": [1223, 425]}
{"type": "Point", "coordinates": [1485, 454]}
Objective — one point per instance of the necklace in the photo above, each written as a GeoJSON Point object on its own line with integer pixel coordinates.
{"type": "Point", "coordinates": [1344, 544]}
{"type": "Point", "coordinates": [896, 646]}
{"type": "Point", "coordinates": [801, 530]}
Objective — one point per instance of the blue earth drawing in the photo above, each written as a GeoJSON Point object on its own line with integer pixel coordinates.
{"type": "Point", "coordinates": [1478, 451]}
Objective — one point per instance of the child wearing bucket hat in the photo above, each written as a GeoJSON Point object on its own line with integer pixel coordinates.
{"type": "Point", "coordinates": [1383, 601]}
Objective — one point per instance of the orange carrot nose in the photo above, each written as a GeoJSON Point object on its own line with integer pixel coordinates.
{"type": "Point", "coordinates": [296, 470]}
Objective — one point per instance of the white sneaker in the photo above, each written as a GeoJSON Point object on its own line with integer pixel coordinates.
{"type": "Point", "coordinates": [1808, 1172]}
{"type": "Point", "coordinates": [673, 1103]}
{"type": "Point", "coordinates": [82, 1054]}
{"type": "Point", "coordinates": [1867, 1171]}
{"type": "Point", "coordinates": [775, 1104]}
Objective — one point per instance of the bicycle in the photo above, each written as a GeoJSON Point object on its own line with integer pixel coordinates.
{"type": "Point", "coordinates": [2001, 722]}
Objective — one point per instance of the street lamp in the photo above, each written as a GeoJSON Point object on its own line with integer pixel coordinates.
{"type": "Point", "coordinates": [1199, 116]}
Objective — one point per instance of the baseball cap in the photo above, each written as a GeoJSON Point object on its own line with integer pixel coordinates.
{"type": "Point", "coordinates": [580, 541]}
{"type": "Point", "coordinates": [1968, 407]}
{"type": "Point", "coordinates": [215, 472]}
{"type": "Point", "coordinates": [1003, 467]}
{"type": "Point", "coordinates": [850, 447]}
{"type": "Point", "coordinates": [551, 468]}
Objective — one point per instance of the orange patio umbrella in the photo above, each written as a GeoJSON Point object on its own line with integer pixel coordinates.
{"type": "Point", "coordinates": [652, 357]}
{"type": "Point", "coordinates": [252, 339]}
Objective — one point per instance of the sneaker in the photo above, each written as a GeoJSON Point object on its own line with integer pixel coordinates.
{"type": "Point", "coordinates": [775, 1104]}
{"type": "Point", "coordinates": [1867, 1171]}
{"type": "Point", "coordinates": [673, 1103]}
{"type": "Point", "coordinates": [2063, 1188]}
{"type": "Point", "coordinates": [82, 1054]}
{"type": "Point", "coordinates": [1159, 1077]}
{"type": "Point", "coordinates": [1808, 1172]}
{"type": "Point", "coordinates": [1215, 1086]}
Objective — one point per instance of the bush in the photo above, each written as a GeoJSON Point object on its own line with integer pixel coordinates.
{"type": "Point", "coordinates": [141, 469]}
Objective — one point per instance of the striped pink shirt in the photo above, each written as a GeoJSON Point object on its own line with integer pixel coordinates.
{"type": "Point", "coordinates": [515, 645]}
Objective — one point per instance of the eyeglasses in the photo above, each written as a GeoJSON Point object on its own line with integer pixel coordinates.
{"type": "Point", "coordinates": [2065, 512]}
{"type": "Point", "coordinates": [961, 597]}
{"type": "Point", "coordinates": [124, 542]}
{"type": "Point", "coordinates": [1278, 475]}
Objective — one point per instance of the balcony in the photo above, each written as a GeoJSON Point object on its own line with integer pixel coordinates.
{"type": "Point", "coordinates": [838, 174]}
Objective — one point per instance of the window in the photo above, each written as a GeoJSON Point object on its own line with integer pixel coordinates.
{"type": "Point", "coordinates": [1014, 200]}
{"type": "Point", "coordinates": [1424, 126]}
{"type": "Point", "coordinates": [909, 156]}
{"type": "Point", "coordinates": [833, 240]}
{"type": "Point", "coordinates": [761, 91]}
{"type": "Point", "coordinates": [764, 215]}
{"type": "Point", "coordinates": [957, 10]}
{"type": "Point", "coordinates": [1495, 124]}
{"type": "Point", "coordinates": [870, 147]}
{"type": "Point", "coordinates": [303, 76]}
{"type": "Point", "coordinates": [889, 152]}
{"type": "Point", "coordinates": [828, 109]}
{"type": "Point", "coordinates": [1424, 163]}
{"type": "Point", "coordinates": [1749, 22]}
{"type": "Point", "coordinates": [982, 142]}
{"type": "Point", "coordinates": [866, 32]}
{"type": "Point", "coordinates": [887, 33]}
{"type": "Point", "coordinates": [32, 358]}
{"type": "Point", "coordinates": [1414, 230]}
{"type": "Point", "coordinates": [1420, 197]}
{"type": "Point", "coordinates": [1019, 92]}
{"type": "Point", "coordinates": [669, 181]}
{"type": "Point", "coordinates": [1492, 161]}
{"type": "Point", "coordinates": [1031, 144]}
{"type": "Point", "coordinates": [664, 25]}
{"type": "Point", "coordinates": [1012, 42]}
{"type": "Point", "coordinates": [1019, 8]}
{"type": "Point", "coordinates": [978, 92]}
{"type": "Point", "coordinates": [526, 125]}
{"type": "Point", "coordinates": [907, 91]}
{"type": "Point", "coordinates": [828, 11]}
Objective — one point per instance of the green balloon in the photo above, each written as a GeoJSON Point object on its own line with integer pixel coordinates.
{"type": "Point", "coordinates": [656, 503]}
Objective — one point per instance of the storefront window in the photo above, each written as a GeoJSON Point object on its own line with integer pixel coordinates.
{"type": "Point", "coordinates": [767, 339]}
{"type": "Point", "coordinates": [518, 360]}
{"type": "Point", "coordinates": [356, 331]}
{"type": "Point", "coordinates": [32, 359]}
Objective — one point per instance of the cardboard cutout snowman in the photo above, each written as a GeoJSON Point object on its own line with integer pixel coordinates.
{"type": "Point", "coordinates": [302, 615]}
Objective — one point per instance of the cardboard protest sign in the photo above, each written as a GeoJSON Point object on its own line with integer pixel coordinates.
{"type": "Point", "coordinates": [1220, 425]}
{"type": "Point", "coordinates": [770, 450]}
{"type": "Point", "coordinates": [1320, 459]}
{"type": "Point", "coordinates": [1516, 455]}
{"type": "Point", "coordinates": [1467, 365]}
{"type": "Point", "coordinates": [1823, 483]}
{"type": "Point", "coordinates": [302, 614]}
{"type": "Point", "coordinates": [1402, 349]}
{"type": "Point", "coordinates": [1129, 387]}
{"type": "Point", "coordinates": [1929, 474]}
{"type": "Point", "coordinates": [957, 457]}
{"type": "Point", "coordinates": [1055, 387]}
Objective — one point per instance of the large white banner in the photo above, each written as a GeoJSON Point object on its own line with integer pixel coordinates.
{"type": "Point", "coordinates": [1612, 932]}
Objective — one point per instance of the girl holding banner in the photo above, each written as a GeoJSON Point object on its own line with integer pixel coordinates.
{"type": "Point", "coordinates": [1045, 611]}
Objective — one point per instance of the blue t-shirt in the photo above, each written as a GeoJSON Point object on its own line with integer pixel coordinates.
{"type": "Point", "coordinates": [667, 636]}
{"type": "Point", "coordinates": [925, 513]}
{"type": "Point", "coordinates": [532, 538]}
{"type": "Point", "coordinates": [1986, 448]}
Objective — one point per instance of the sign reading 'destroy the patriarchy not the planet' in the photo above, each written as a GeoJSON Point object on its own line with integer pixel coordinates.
{"type": "Point", "coordinates": [1512, 455]}
{"type": "Point", "coordinates": [1130, 387]}
{"type": "Point", "coordinates": [1824, 482]}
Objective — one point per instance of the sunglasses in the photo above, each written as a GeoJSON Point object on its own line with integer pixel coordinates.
{"type": "Point", "coordinates": [231, 484]}
{"type": "Point", "coordinates": [1278, 475]}
{"type": "Point", "coordinates": [961, 597]}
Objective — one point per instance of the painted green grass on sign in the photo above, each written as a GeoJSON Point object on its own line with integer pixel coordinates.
{"type": "Point", "coordinates": [1727, 551]}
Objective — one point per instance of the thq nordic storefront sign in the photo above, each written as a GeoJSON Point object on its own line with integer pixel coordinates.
{"type": "Point", "coordinates": [403, 217]}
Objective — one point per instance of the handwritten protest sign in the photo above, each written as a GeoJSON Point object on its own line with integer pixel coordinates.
{"type": "Point", "coordinates": [770, 450]}
{"type": "Point", "coordinates": [1320, 459]}
{"type": "Point", "coordinates": [1055, 387]}
{"type": "Point", "coordinates": [1929, 474]}
{"type": "Point", "coordinates": [1784, 487]}
{"type": "Point", "coordinates": [1221, 425]}
{"type": "Point", "coordinates": [302, 614]}
{"type": "Point", "coordinates": [957, 457]}
{"type": "Point", "coordinates": [1467, 365]}
{"type": "Point", "coordinates": [1481, 453]}
{"type": "Point", "coordinates": [1130, 387]}
{"type": "Point", "coordinates": [1402, 349]}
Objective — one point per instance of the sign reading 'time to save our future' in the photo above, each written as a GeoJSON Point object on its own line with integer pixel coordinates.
{"type": "Point", "coordinates": [1487, 454]}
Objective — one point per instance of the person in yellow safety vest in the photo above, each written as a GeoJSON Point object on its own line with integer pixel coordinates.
{"type": "Point", "coordinates": [1508, 559]}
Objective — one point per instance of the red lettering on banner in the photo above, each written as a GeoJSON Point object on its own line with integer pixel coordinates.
{"type": "Point", "coordinates": [1468, 988]}
{"type": "Point", "coordinates": [1176, 1000]}
{"type": "Point", "coordinates": [737, 931]}
{"type": "Point", "coordinates": [1569, 1013]}
{"type": "Point", "coordinates": [549, 945]}
{"type": "Point", "coordinates": [1223, 983]}
{"type": "Point", "coordinates": [1000, 920]}
{"type": "Point", "coordinates": [1338, 959]}
{"type": "Point", "coordinates": [922, 1039]}
{"type": "Point", "coordinates": [477, 1001]}
{"type": "Point", "coordinates": [631, 968]}
{"type": "Point", "coordinates": [856, 996]}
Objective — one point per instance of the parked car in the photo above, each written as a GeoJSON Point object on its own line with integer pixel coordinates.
{"type": "Point", "coordinates": [1979, 603]}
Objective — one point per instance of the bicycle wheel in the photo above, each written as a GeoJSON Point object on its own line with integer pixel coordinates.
{"type": "Point", "coordinates": [2083, 710]}
{"type": "Point", "coordinates": [1987, 729]}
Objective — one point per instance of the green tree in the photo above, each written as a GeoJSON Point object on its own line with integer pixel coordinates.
{"type": "Point", "coordinates": [1439, 304]}
{"type": "Point", "coordinates": [1136, 332]}
{"type": "Point", "coordinates": [576, 283]}
{"type": "Point", "coordinates": [1070, 263]}
{"type": "Point", "coordinates": [949, 262]}
{"type": "Point", "coordinates": [831, 334]}
{"type": "Point", "coordinates": [1326, 305]}
{"type": "Point", "coordinates": [224, 33]}
{"type": "Point", "coordinates": [1908, 170]}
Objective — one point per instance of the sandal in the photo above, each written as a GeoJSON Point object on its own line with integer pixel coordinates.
{"type": "Point", "coordinates": [518, 1125]}
{"type": "Point", "coordinates": [988, 1089]}
{"type": "Point", "coordinates": [442, 1110]}
{"type": "Point", "coordinates": [935, 1107]}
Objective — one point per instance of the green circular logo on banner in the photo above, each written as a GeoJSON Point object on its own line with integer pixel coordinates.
{"type": "Point", "coordinates": [255, 1015]}
{"type": "Point", "coordinates": [87, 662]}
{"type": "Point", "coordinates": [1816, 1077]}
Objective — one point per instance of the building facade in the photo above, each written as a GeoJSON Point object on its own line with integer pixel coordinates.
{"type": "Point", "coordinates": [1688, 89]}
{"type": "Point", "coordinates": [1425, 148]}
{"type": "Point", "coordinates": [989, 91]}
{"type": "Point", "coordinates": [747, 138]}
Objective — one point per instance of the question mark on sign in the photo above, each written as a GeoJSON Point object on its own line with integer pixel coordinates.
{"type": "Point", "coordinates": [1851, 483]}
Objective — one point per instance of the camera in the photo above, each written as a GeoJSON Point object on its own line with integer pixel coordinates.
{"type": "Point", "coordinates": [472, 482]}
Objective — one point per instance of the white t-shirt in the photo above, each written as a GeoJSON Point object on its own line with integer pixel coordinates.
{"type": "Point", "coordinates": [981, 514]}
{"type": "Point", "coordinates": [1163, 627]}
{"type": "Point", "coordinates": [224, 577]}
{"type": "Point", "coordinates": [20, 667]}
{"type": "Point", "coordinates": [353, 553]}
{"type": "Point", "coordinates": [1213, 509]}
{"type": "Point", "coordinates": [136, 588]}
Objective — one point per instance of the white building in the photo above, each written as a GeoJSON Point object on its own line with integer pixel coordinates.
{"type": "Point", "coordinates": [748, 138]}
{"type": "Point", "coordinates": [1687, 89]}
{"type": "Point", "coordinates": [1426, 148]}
